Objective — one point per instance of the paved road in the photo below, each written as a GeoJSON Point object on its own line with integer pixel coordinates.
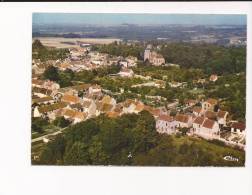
{"type": "Point", "coordinates": [45, 136]}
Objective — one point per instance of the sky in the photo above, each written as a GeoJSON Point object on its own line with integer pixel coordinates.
{"type": "Point", "coordinates": [140, 19]}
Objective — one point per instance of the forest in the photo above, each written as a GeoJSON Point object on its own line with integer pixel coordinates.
{"type": "Point", "coordinates": [132, 140]}
{"type": "Point", "coordinates": [212, 59]}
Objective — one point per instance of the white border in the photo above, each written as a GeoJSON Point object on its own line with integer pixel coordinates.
{"type": "Point", "coordinates": [17, 176]}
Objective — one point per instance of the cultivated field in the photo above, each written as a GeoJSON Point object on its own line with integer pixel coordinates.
{"type": "Point", "coordinates": [59, 42]}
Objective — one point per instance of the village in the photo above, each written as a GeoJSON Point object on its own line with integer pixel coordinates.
{"type": "Point", "coordinates": [195, 117]}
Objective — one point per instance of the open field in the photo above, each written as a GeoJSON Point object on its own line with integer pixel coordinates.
{"type": "Point", "coordinates": [59, 42]}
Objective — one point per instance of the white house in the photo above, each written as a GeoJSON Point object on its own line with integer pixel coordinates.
{"type": "Point", "coordinates": [126, 73]}
{"type": "Point", "coordinates": [129, 106]}
{"type": "Point", "coordinates": [183, 120]}
{"type": "Point", "coordinates": [209, 104]}
{"type": "Point", "coordinates": [90, 108]}
{"type": "Point", "coordinates": [238, 128]}
{"type": "Point", "coordinates": [197, 124]}
{"type": "Point", "coordinates": [123, 63]}
{"type": "Point", "coordinates": [209, 129]}
{"type": "Point", "coordinates": [197, 111]}
{"type": "Point", "coordinates": [222, 117]}
{"type": "Point", "coordinates": [166, 124]}
{"type": "Point", "coordinates": [132, 61]}
{"type": "Point", "coordinates": [94, 89]}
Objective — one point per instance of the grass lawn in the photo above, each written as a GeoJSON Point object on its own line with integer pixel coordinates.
{"type": "Point", "coordinates": [216, 151]}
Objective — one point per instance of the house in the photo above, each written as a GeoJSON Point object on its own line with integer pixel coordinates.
{"type": "Point", "coordinates": [211, 115]}
{"type": "Point", "coordinates": [197, 111]}
{"type": "Point", "coordinates": [41, 92]}
{"type": "Point", "coordinates": [197, 124]}
{"type": "Point", "coordinates": [74, 115]}
{"type": "Point", "coordinates": [139, 107]}
{"type": "Point", "coordinates": [94, 89]}
{"type": "Point", "coordinates": [213, 78]}
{"type": "Point", "coordinates": [90, 108]}
{"type": "Point", "coordinates": [108, 100]}
{"type": "Point", "coordinates": [175, 84]}
{"type": "Point", "coordinates": [209, 104]}
{"type": "Point", "coordinates": [222, 117]}
{"type": "Point", "coordinates": [47, 84]}
{"type": "Point", "coordinates": [64, 66]}
{"type": "Point", "coordinates": [70, 99]}
{"type": "Point", "coordinates": [43, 100]}
{"type": "Point", "coordinates": [238, 128]}
{"type": "Point", "coordinates": [201, 81]}
{"type": "Point", "coordinates": [153, 57]}
{"type": "Point", "coordinates": [77, 107]}
{"type": "Point", "coordinates": [155, 112]}
{"type": "Point", "coordinates": [37, 83]}
{"type": "Point", "coordinates": [190, 102]}
{"type": "Point", "coordinates": [209, 129]}
{"type": "Point", "coordinates": [113, 114]}
{"type": "Point", "coordinates": [129, 106]}
{"type": "Point", "coordinates": [125, 72]}
{"type": "Point", "coordinates": [75, 90]}
{"type": "Point", "coordinates": [132, 61]}
{"type": "Point", "coordinates": [105, 108]}
{"type": "Point", "coordinates": [48, 110]}
{"type": "Point", "coordinates": [51, 85]}
{"type": "Point", "coordinates": [183, 120]}
{"type": "Point", "coordinates": [123, 63]}
{"type": "Point", "coordinates": [166, 124]}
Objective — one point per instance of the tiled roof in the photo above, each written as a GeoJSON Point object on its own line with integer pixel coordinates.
{"type": "Point", "coordinates": [139, 107]}
{"type": "Point", "coordinates": [155, 112]}
{"type": "Point", "coordinates": [197, 109]}
{"type": "Point", "coordinates": [70, 99]}
{"type": "Point", "coordinates": [43, 99]}
{"type": "Point", "coordinates": [221, 114]}
{"type": "Point", "coordinates": [166, 118]}
{"type": "Point", "coordinates": [52, 107]}
{"type": "Point", "coordinates": [190, 101]}
{"type": "Point", "coordinates": [128, 102]}
{"type": "Point", "coordinates": [106, 107]}
{"type": "Point", "coordinates": [106, 99]}
{"type": "Point", "coordinates": [86, 104]}
{"type": "Point", "coordinates": [238, 125]}
{"type": "Point", "coordinates": [37, 82]}
{"type": "Point", "coordinates": [182, 118]}
{"type": "Point", "coordinates": [210, 114]}
{"type": "Point", "coordinates": [41, 90]}
{"type": "Point", "coordinates": [212, 101]}
{"type": "Point", "coordinates": [81, 87]}
{"type": "Point", "coordinates": [208, 123]}
{"type": "Point", "coordinates": [113, 114]}
{"type": "Point", "coordinates": [78, 106]}
{"type": "Point", "coordinates": [75, 114]}
{"type": "Point", "coordinates": [199, 120]}
{"type": "Point", "coordinates": [98, 105]}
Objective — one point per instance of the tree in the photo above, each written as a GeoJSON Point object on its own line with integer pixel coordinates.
{"type": "Point", "coordinates": [54, 152]}
{"type": "Point", "coordinates": [37, 45]}
{"type": "Point", "coordinates": [38, 124]}
{"type": "Point", "coordinates": [51, 73]}
{"type": "Point", "coordinates": [97, 155]}
{"type": "Point", "coordinates": [61, 122]}
{"type": "Point", "coordinates": [184, 130]}
{"type": "Point", "coordinates": [77, 154]}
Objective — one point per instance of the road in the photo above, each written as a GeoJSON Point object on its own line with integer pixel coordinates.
{"type": "Point", "coordinates": [45, 136]}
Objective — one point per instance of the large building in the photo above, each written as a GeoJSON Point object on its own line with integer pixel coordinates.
{"type": "Point", "coordinates": [153, 57]}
